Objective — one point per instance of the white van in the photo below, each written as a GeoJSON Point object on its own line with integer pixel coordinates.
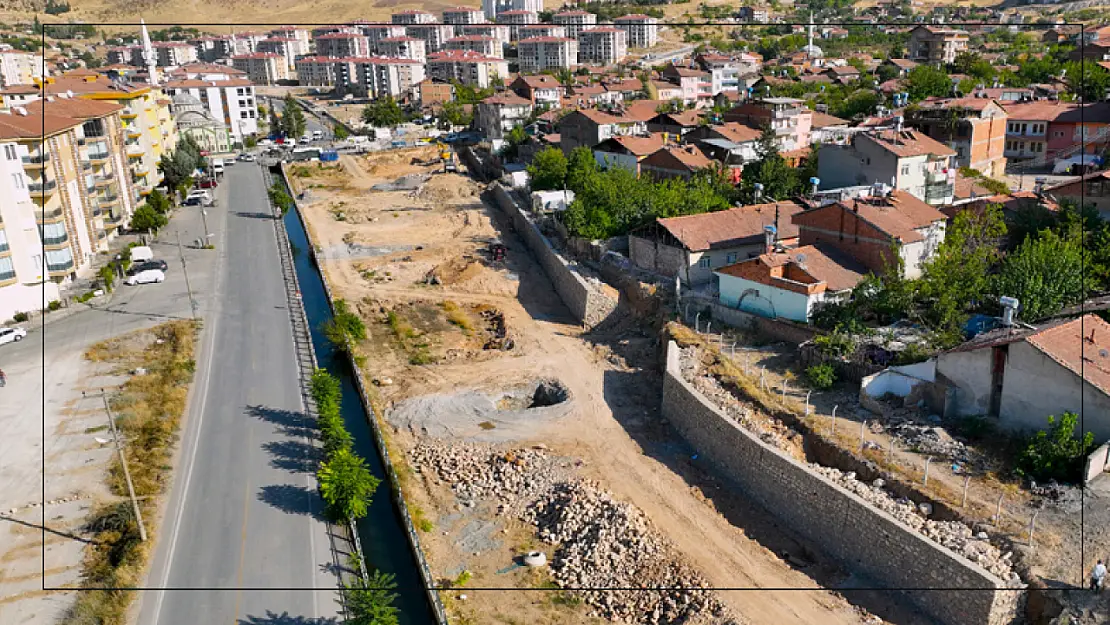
{"type": "Point", "coordinates": [317, 135]}
{"type": "Point", "coordinates": [141, 253]}
{"type": "Point", "coordinates": [146, 277]}
{"type": "Point", "coordinates": [218, 166]}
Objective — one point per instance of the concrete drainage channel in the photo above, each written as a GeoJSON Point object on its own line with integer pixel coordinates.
{"type": "Point", "coordinates": [387, 538]}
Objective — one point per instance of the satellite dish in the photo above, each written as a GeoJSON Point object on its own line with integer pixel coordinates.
{"type": "Point", "coordinates": [801, 258]}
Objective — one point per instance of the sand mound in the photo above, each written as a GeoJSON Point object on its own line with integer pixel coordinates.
{"type": "Point", "coordinates": [448, 187]}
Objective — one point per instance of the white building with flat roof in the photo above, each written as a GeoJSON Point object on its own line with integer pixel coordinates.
{"type": "Point", "coordinates": [605, 45]}
{"type": "Point", "coordinates": [24, 287]}
{"type": "Point", "coordinates": [461, 16]}
{"type": "Point", "coordinates": [343, 45]}
{"type": "Point", "coordinates": [467, 67]}
{"type": "Point", "coordinates": [499, 32]}
{"type": "Point", "coordinates": [435, 36]}
{"type": "Point", "coordinates": [643, 30]}
{"type": "Point", "coordinates": [403, 48]}
{"type": "Point", "coordinates": [262, 68]}
{"type": "Point", "coordinates": [542, 53]}
{"type": "Point", "coordinates": [411, 17]}
{"type": "Point", "coordinates": [516, 19]}
{"type": "Point", "coordinates": [486, 46]}
{"type": "Point", "coordinates": [231, 101]}
{"type": "Point", "coordinates": [575, 21]}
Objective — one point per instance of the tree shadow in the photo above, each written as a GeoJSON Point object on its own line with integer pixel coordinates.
{"type": "Point", "coordinates": [293, 500]}
{"type": "Point", "coordinates": [289, 422]}
{"type": "Point", "coordinates": [254, 215]}
{"type": "Point", "coordinates": [293, 456]}
{"type": "Point", "coordinates": [272, 618]}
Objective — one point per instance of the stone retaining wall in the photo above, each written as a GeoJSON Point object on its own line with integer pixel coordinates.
{"type": "Point", "coordinates": [866, 541]}
{"type": "Point", "coordinates": [588, 304]}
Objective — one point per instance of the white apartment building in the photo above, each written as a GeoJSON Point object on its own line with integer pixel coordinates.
{"type": "Point", "coordinates": [575, 21]}
{"type": "Point", "coordinates": [287, 47]}
{"type": "Point", "coordinates": [467, 67]}
{"type": "Point", "coordinates": [435, 36]}
{"type": "Point", "coordinates": [173, 53]}
{"type": "Point", "coordinates": [461, 16]}
{"type": "Point", "coordinates": [292, 32]}
{"type": "Point", "coordinates": [120, 55]}
{"type": "Point", "coordinates": [228, 99]}
{"type": "Point", "coordinates": [376, 32]}
{"type": "Point", "coordinates": [403, 48]}
{"type": "Point", "coordinates": [23, 285]}
{"type": "Point", "coordinates": [343, 45]}
{"type": "Point", "coordinates": [541, 53]}
{"type": "Point", "coordinates": [515, 20]}
{"type": "Point", "coordinates": [211, 49]}
{"type": "Point", "coordinates": [408, 18]}
{"type": "Point", "coordinates": [499, 32]}
{"type": "Point", "coordinates": [643, 30]}
{"type": "Point", "coordinates": [541, 30]}
{"type": "Point", "coordinates": [604, 45]}
{"type": "Point", "coordinates": [377, 77]}
{"type": "Point", "coordinates": [316, 71]}
{"type": "Point", "coordinates": [486, 46]}
{"type": "Point", "coordinates": [493, 8]}
{"type": "Point", "coordinates": [262, 68]}
{"type": "Point", "coordinates": [19, 68]}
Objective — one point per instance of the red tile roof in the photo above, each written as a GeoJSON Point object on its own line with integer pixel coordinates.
{"type": "Point", "coordinates": [1078, 346]}
{"type": "Point", "coordinates": [899, 214]}
{"type": "Point", "coordinates": [908, 143]}
{"type": "Point", "coordinates": [730, 228]}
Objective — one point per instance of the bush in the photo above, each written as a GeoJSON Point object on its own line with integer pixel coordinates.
{"type": "Point", "coordinates": [345, 329]}
{"type": "Point", "coordinates": [822, 376]}
{"type": "Point", "coordinates": [1056, 453]}
{"type": "Point", "coordinates": [836, 344]}
{"type": "Point", "coordinates": [372, 604]}
{"type": "Point", "coordinates": [346, 485]}
{"type": "Point", "coordinates": [107, 275]}
{"type": "Point", "coordinates": [54, 305]}
{"type": "Point", "coordinates": [20, 317]}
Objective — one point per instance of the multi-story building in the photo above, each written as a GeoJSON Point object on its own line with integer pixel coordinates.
{"type": "Point", "coordinates": [915, 163]}
{"type": "Point", "coordinates": [461, 16]}
{"type": "Point", "coordinates": [292, 32]}
{"type": "Point", "coordinates": [316, 71]}
{"type": "Point", "coordinates": [377, 32]}
{"type": "Point", "coordinates": [408, 18]}
{"type": "Point", "coordinates": [466, 67]}
{"type": "Point", "coordinates": [931, 44]}
{"type": "Point", "coordinates": [1029, 132]}
{"type": "Point", "coordinates": [974, 127]}
{"type": "Point", "coordinates": [517, 19]}
{"type": "Point", "coordinates": [288, 47]}
{"type": "Point", "coordinates": [173, 53]}
{"type": "Point", "coordinates": [758, 15]}
{"type": "Point", "coordinates": [726, 71]}
{"type": "Point", "coordinates": [18, 95]}
{"type": "Point", "coordinates": [377, 77]}
{"type": "Point", "coordinates": [643, 30]}
{"type": "Point", "coordinates": [499, 32]}
{"type": "Point", "coordinates": [230, 100]}
{"type": "Point", "coordinates": [246, 43]}
{"type": "Point", "coordinates": [498, 114]}
{"type": "Point", "coordinates": [19, 68]}
{"type": "Point", "coordinates": [435, 36]}
{"type": "Point", "coordinates": [343, 45]}
{"type": "Point", "coordinates": [542, 90]}
{"type": "Point", "coordinates": [540, 53]}
{"type": "Point", "coordinates": [788, 118]}
{"type": "Point", "coordinates": [541, 30]}
{"type": "Point", "coordinates": [434, 92]}
{"type": "Point", "coordinates": [575, 22]}
{"type": "Point", "coordinates": [24, 286]}
{"type": "Point", "coordinates": [211, 49]}
{"type": "Point", "coordinates": [486, 46]}
{"type": "Point", "coordinates": [604, 45]}
{"type": "Point", "coordinates": [262, 68]}
{"type": "Point", "coordinates": [493, 8]}
{"type": "Point", "coordinates": [403, 48]}
{"type": "Point", "coordinates": [119, 55]}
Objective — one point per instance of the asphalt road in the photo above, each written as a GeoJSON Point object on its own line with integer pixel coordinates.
{"type": "Point", "coordinates": [243, 539]}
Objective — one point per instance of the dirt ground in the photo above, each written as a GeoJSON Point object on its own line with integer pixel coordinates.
{"type": "Point", "coordinates": [420, 345]}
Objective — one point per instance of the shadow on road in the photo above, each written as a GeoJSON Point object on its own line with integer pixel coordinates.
{"type": "Point", "coordinates": [285, 618]}
{"type": "Point", "coordinates": [289, 422]}
{"type": "Point", "coordinates": [293, 456]}
{"type": "Point", "coordinates": [254, 215]}
{"type": "Point", "coordinates": [293, 500]}
{"type": "Point", "coordinates": [4, 517]}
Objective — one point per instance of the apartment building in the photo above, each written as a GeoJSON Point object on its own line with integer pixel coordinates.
{"type": "Point", "coordinates": [461, 16]}
{"type": "Point", "coordinates": [726, 72]}
{"type": "Point", "coordinates": [435, 36]}
{"type": "Point", "coordinates": [18, 95]}
{"type": "Point", "coordinates": [24, 286]}
{"type": "Point", "coordinates": [211, 49]}
{"type": "Point", "coordinates": [932, 44]}
{"type": "Point", "coordinates": [643, 30]}
{"type": "Point", "coordinates": [604, 45]}
{"type": "Point", "coordinates": [498, 114]}
{"type": "Point", "coordinates": [377, 77]}
{"type": "Point", "coordinates": [120, 55]}
{"type": "Point", "coordinates": [694, 82]}
{"type": "Point", "coordinates": [493, 8]}
{"type": "Point", "coordinates": [19, 68]}
{"type": "Point", "coordinates": [753, 14]}
{"type": "Point", "coordinates": [974, 127]}
{"type": "Point", "coordinates": [486, 46]}
{"type": "Point", "coordinates": [247, 43]}
{"type": "Point", "coordinates": [292, 32]}
{"type": "Point", "coordinates": [262, 68]}
{"type": "Point", "coordinates": [343, 45]}
{"type": "Point", "coordinates": [788, 117]}
{"type": "Point", "coordinates": [377, 32]}
{"type": "Point", "coordinates": [575, 22]}
{"type": "Point", "coordinates": [1033, 134]}
{"type": "Point", "coordinates": [288, 47]}
{"type": "Point", "coordinates": [231, 100]}
{"type": "Point", "coordinates": [403, 48]}
{"type": "Point", "coordinates": [409, 18]}
{"type": "Point", "coordinates": [542, 53]}
{"type": "Point", "coordinates": [541, 30]}
{"type": "Point", "coordinates": [542, 90]}
{"type": "Point", "coordinates": [915, 163]}
{"type": "Point", "coordinates": [499, 32]}
{"type": "Point", "coordinates": [516, 20]}
{"type": "Point", "coordinates": [467, 67]}
{"type": "Point", "coordinates": [316, 71]}
{"type": "Point", "coordinates": [170, 53]}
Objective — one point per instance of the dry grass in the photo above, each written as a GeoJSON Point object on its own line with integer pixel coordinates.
{"type": "Point", "coordinates": [457, 316]}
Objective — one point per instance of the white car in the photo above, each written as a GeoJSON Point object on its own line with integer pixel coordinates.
{"type": "Point", "coordinates": [264, 143]}
{"type": "Point", "coordinates": [246, 157]}
{"type": "Point", "coordinates": [11, 335]}
{"type": "Point", "coordinates": [145, 277]}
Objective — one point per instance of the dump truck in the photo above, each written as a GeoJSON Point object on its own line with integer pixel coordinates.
{"type": "Point", "coordinates": [449, 162]}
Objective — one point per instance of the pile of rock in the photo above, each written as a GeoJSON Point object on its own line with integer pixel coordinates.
{"type": "Point", "coordinates": [954, 535]}
{"type": "Point", "coordinates": [928, 438]}
{"type": "Point", "coordinates": [601, 542]}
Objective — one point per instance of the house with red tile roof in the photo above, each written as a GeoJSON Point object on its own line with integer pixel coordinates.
{"type": "Point", "coordinates": [627, 151]}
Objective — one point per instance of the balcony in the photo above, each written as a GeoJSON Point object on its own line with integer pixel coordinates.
{"type": "Point", "coordinates": [7, 275]}
{"type": "Point", "coordinates": [103, 180]}
{"type": "Point", "coordinates": [58, 241]}
{"type": "Point", "coordinates": [36, 160]}
{"type": "Point", "coordinates": [134, 133]}
{"type": "Point", "coordinates": [135, 151]}
{"type": "Point", "coordinates": [938, 193]}
{"type": "Point", "coordinates": [49, 214]}
{"type": "Point", "coordinates": [86, 166]}
{"type": "Point", "coordinates": [63, 266]}
{"type": "Point", "coordinates": [4, 247]}
{"type": "Point", "coordinates": [43, 188]}
{"type": "Point", "coordinates": [98, 156]}
{"type": "Point", "coordinates": [106, 202]}
{"type": "Point", "coordinates": [128, 113]}
{"type": "Point", "coordinates": [101, 234]}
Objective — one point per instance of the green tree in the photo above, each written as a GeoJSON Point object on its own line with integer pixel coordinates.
{"type": "Point", "coordinates": [582, 169]}
{"type": "Point", "coordinates": [548, 170]}
{"type": "Point", "coordinates": [292, 119]}
{"type": "Point", "coordinates": [1057, 453]}
{"type": "Point", "coordinates": [279, 197]}
{"type": "Point", "coordinates": [959, 273]}
{"type": "Point", "coordinates": [372, 603]}
{"type": "Point", "coordinates": [778, 179]}
{"type": "Point", "coordinates": [177, 169]}
{"type": "Point", "coordinates": [339, 131]}
{"type": "Point", "coordinates": [157, 201]}
{"type": "Point", "coordinates": [1045, 273]}
{"type": "Point", "coordinates": [146, 218]}
{"type": "Point", "coordinates": [456, 115]}
{"type": "Point", "coordinates": [384, 113]}
{"type": "Point", "coordinates": [1087, 80]}
{"type": "Point", "coordinates": [346, 485]}
{"type": "Point", "coordinates": [926, 81]}
{"type": "Point", "coordinates": [860, 103]}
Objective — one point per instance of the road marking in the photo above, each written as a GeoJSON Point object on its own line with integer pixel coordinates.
{"type": "Point", "coordinates": [242, 540]}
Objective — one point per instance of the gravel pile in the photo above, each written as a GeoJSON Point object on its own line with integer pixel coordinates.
{"type": "Point", "coordinates": [600, 542]}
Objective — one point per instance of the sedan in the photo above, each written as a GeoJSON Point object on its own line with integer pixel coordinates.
{"type": "Point", "coordinates": [207, 183]}
{"type": "Point", "coordinates": [136, 268]}
{"type": "Point", "coordinates": [146, 277]}
{"type": "Point", "coordinates": [11, 335]}
{"type": "Point", "coordinates": [246, 157]}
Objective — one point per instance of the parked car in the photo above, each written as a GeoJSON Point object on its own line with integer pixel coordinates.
{"type": "Point", "coordinates": [264, 143]}
{"type": "Point", "coordinates": [11, 335]}
{"type": "Point", "coordinates": [207, 183]}
{"type": "Point", "coordinates": [146, 277]}
{"type": "Point", "coordinates": [246, 157]}
{"type": "Point", "coordinates": [141, 253]}
{"type": "Point", "coordinates": [317, 134]}
{"type": "Point", "coordinates": [146, 266]}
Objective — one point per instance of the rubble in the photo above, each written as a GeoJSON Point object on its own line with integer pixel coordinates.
{"type": "Point", "coordinates": [600, 542]}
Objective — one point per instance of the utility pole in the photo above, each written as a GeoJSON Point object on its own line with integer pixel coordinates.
{"type": "Point", "coordinates": [123, 462]}
{"type": "Point", "coordinates": [204, 220]}
{"type": "Point", "coordinates": [181, 252]}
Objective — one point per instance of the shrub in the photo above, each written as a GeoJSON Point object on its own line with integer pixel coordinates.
{"type": "Point", "coordinates": [1056, 453]}
{"type": "Point", "coordinates": [822, 376]}
{"type": "Point", "coordinates": [54, 305]}
{"type": "Point", "coordinates": [372, 604]}
{"type": "Point", "coordinates": [20, 317]}
{"type": "Point", "coordinates": [836, 344]}
{"type": "Point", "coordinates": [107, 276]}
{"type": "Point", "coordinates": [346, 484]}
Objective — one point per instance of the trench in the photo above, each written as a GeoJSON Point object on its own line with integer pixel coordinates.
{"type": "Point", "coordinates": [381, 532]}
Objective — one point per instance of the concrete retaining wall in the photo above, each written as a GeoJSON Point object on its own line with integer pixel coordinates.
{"type": "Point", "coordinates": [866, 541]}
{"type": "Point", "coordinates": [1097, 463]}
{"type": "Point", "coordinates": [588, 304]}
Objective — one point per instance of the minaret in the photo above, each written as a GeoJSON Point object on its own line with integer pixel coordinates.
{"type": "Point", "coordinates": [809, 48]}
{"type": "Point", "coordinates": [148, 56]}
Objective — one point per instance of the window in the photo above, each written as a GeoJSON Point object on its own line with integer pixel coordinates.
{"type": "Point", "coordinates": [1058, 134]}
{"type": "Point", "coordinates": [17, 180]}
{"type": "Point", "coordinates": [9, 152]}
{"type": "Point", "coordinates": [1009, 146]}
{"type": "Point", "coordinates": [1011, 128]}
{"type": "Point", "coordinates": [242, 115]}
{"type": "Point", "coordinates": [704, 261]}
{"type": "Point", "coordinates": [730, 258]}
{"type": "Point", "coordinates": [905, 170]}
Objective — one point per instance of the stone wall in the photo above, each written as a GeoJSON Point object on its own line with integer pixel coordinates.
{"type": "Point", "coordinates": [588, 304]}
{"type": "Point", "coordinates": [865, 540]}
